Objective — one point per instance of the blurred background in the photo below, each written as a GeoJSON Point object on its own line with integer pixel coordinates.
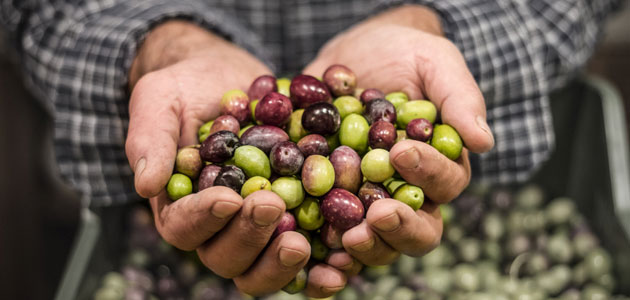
{"type": "Point", "coordinates": [39, 214]}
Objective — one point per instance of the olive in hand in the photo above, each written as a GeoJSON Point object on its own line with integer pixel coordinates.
{"type": "Point", "coordinates": [274, 109]}
{"type": "Point", "coordinates": [219, 146]}
{"type": "Point", "coordinates": [306, 90]}
{"type": "Point", "coordinates": [321, 118]}
{"type": "Point", "coordinates": [232, 177]}
{"type": "Point", "coordinates": [340, 80]}
{"type": "Point", "coordinates": [236, 104]}
{"type": "Point", "coordinates": [262, 86]}
{"type": "Point", "coordinates": [342, 209]}
{"type": "Point", "coordinates": [382, 135]}
{"type": "Point", "coordinates": [286, 158]}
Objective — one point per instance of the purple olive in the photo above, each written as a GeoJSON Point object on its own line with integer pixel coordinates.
{"type": "Point", "coordinates": [380, 109]}
{"type": "Point", "coordinates": [420, 129]}
{"type": "Point", "coordinates": [274, 109]}
{"type": "Point", "coordinates": [382, 135]}
{"type": "Point", "coordinates": [236, 104]}
{"type": "Point", "coordinates": [207, 176]}
{"type": "Point", "coordinates": [264, 137]}
{"type": "Point", "coordinates": [321, 118]}
{"type": "Point", "coordinates": [347, 165]}
{"type": "Point", "coordinates": [342, 209]}
{"type": "Point", "coordinates": [331, 236]}
{"type": "Point", "coordinates": [371, 94]}
{"type": "Point", "coordinates": [287, 223]}
{"type": "Point", "coordinates": [370, 192]}
{"type": "Point", "coordinates": [340, 80]}
{"type": "Point", "coordinates": [262, 86]}
{"type": "Point", "coordinates": [306, 90]}
{"type": "Point", "coordinates": [219, 146]}
{"type": "Point", "coordinates": [286, 158]}
{"type": "Point", "coordinates": [232, 177]}
{"type": "Point", "coordinates": [225, 122]}
{"type": "Point", "coordinates": [313, 144]}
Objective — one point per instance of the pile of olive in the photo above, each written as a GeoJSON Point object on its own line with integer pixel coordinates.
{"type": "Point", "coordinates": [321, 145]}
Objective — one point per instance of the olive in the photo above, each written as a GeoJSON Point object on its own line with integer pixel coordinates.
{"type": "Point", "coordinates": [536, 263]}
{"type": "Point", "coordinates": [290, 190]}
{"type": "Point", "coordinates": [405, 265]}
{"type": "Point", "coordinates": [313, 144]}
{"type": "Point", "coordinates": [286, 158]}
{"type": "Point", "coordinates": [225, 122]}
{"type": "Point", "coordinates": [253, 184]}
{"type": "Point", "coordinates": [403, 293]}
{"type": "Point", "coordinates": [178, 186]}
{"type": "Point", "coordinates": [274, 109]}
{"type": "Point", "coordinates": [370, 192]}
{"type": "Point", "coordinates": [560, 211]}
{"type": "Point", "coordinates": [447, 141]}
{"type": "Point", "coordinates": [397, 98]}
{"type": "Point", "coordinates": [306, 90]}
{"type": "Point", "coordinates": [319, 251]}
{"type": "Point", "coordinates": [598, 262]}
{"type": "Point", "coordinates": [493, 226]}
{"type": "Point", "coordinates": [492, 250]}
{"type": "Point", "coordinates": [295, 129]}
{"type": "Point", "coordinates": [411, 110]}
{"type": "Point", "coordinates": [305, 233]}
{"type": "Point", "coordinates": [340, 80]}
{"type": "Point", "coordinates": [318, 175]}
{"type": "Point", "coordinates": [348, 105]}
{"type": "Point", "coordinates": [439, 280]}
{"type": "Point", "coordinates": [382, 135]}
{"type": "Point", "coordinates": [376, 167]}
{"type": "Point", "coordinates": [331, 236]}
{"type": "Point", "coordinates": [347, 165]}
{"type": "Point", "coordinates": [188, 162]}
{"type": "Point", "coordinates": [385, 284]}
{"type": "Point", "coordinates": [448, 213]}
{"type": "Point", "coordinates": [232, 177]}
{"type": "Point", "coordinates": [419, 130]}
{"type": "Point", "coordinates": [308, 214]}
{"type": "Point", "coordinates": [262, 86]}
{"type": "Point", "coordinates": [594, 292]}
{"type": "Point", "coordinates": [559, 248]}
{"type": "Point", "coordinates": [410, 195]}
{"type": "Point", "coordinates": [236, 104]}
{"type": "Point", "coordinates": [333, 141]}
{"type": "Point", "coordinates": [287, 223]}
{"type": "Point", "coordinates": [370, 94]}
{"type": "Point", "coordinates": [583, 243]}
{"type": "Point", "coordinates": [401, 135]}
{"type": "Point", "coordinates": [342, 209]}
{"type": "Point", "coordinates": [441, 256]}
{"type": "Point", "coordinates": [517, 244]}
{"type": "Point", "coordinates": [354, 133]}
{"type": "Point", "coordinates": [219, 146]}
{"type": "Point", "coordinates": [283, 86]}
{"type": "Point", "coordinates": [207, 176]}
{"type": "Point", "coordinates": [466, 277]}
{"type": "Point", "coordinates": [469, 249]}
{"type": "Point", "coordinates": [252, 161]}
{"type": "Point", "coordinates": [204, 131]}
{"type": "Point", "coordinates": [298, 283]}
{"type": "Point", "coordinates": [321, 118]}
{"type": "Point", "coordinates": [348, 293]}
{"type": "Point", "coordinates": [264, 137]}
{"type": "Point", "coordinates": [380, 110]}
{"type": "Point", "coordinates": [529, 197]}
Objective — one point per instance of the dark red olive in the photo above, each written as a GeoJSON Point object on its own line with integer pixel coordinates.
{"type": "Point", "coordinates": [331, 236]}
{"type": "Point", "coordinates": [380, 109]}
{"type": "Point", "coordinates": [219, 146]}
{"type": "Point", "coordinates": [232, 177]}
{"type": "Point", "coordinates": [236, 104]}
{"type": "Point", "coordinates": [340, 80]}
{"type": "Point", "coordinates": [286, 158]}
{"type": "Point", "coordinates": [262, 86]}
{"type": "Point", "coordinates": [370, 192]}
{"type": "Point", "coordinates": [321, 118]}
{"type": "Point", "coordinates": [420, 129]}
{"type": "Point", "coordinates": [382, 135]}
{"type": "Point", "coordinates": [225, 122]}
{"type": "Point", "coordinates": [342, 209]}
{"type": "Point", "coordinates": [207, 176]}
{"type": "Point", "coordinates": [287, 223]}
{"type": "Point", "coordinates": [313, 144]}
{"type": "Point", "coordinates": [347, 165]}
{"type": "Point", "coordinates": [306, 90]}
{"type": "Point", "coordinates": [371, 94]}
{"type": "Point", "coordinates": [264, 137]}
{"type": "Point", "coordinates": [274, 109]}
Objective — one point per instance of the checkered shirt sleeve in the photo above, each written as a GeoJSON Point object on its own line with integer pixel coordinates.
{"type": "Point", "coordinates": [76, 55]}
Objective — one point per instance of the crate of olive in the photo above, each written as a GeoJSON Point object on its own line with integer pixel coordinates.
{"type": "Point", "coordinates": [321, 145]}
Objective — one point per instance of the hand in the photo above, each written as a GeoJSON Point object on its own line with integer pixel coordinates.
{"type": "Point", "coordinates": [178, 79]}
{"type": "Point", "coordinates": [403, 50]}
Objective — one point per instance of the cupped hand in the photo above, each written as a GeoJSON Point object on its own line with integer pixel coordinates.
{"type": "Point", "coordinates": [177, 81]}
{"type": "Point", "coordinates": [404, 50]}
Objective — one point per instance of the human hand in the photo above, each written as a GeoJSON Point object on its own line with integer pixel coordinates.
{"type": "Point", "coordinates": [177, 81]}
{"type": "Point", "coordinates": [403, 50]}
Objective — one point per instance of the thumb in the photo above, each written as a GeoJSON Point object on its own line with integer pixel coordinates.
{"type": "Point", "coordinates": [154, 128]}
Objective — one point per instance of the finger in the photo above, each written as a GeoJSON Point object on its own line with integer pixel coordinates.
{"type": "Point", "coordinates": [191, 220]}
{"type": "Point", "coordinates": [154, 128]}
{"type": "Point", "coordinates": [324, 281]}
{"type": "Point", "coordinates": [282, 260]}
{"type": "Point", "coordinates": [440, 178]}
{"type": "Point", "coordinates": [343, 261]}
{"type": "Point", "coordinates": [412, 233]}
{"type": "Point", "coordinates": [367, 247]}
{"type": "Point", "coordinates": [461, 105]}
{"type": "Point", "coordinates": [232, 251]}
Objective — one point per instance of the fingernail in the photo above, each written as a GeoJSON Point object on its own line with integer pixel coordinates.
{"type": "Point", "coordinates": [389, 223]}
{"type": "Point", "coordinates": [481, 122]}
{"type": "Point", "coordinates": [331, 290]}
{"type": "Point", "coordinates": [364, 246]}
{"type": "Point", "coordinates": [140, 164]}
{"type": "Point", "coordinates": [289, 257]}
{"type": "Point", "coordinates": [408, 160]}
{"type": "Point", "coordinates": [224, 209]}
{"type": "Point", "coordinates": [265, 215]}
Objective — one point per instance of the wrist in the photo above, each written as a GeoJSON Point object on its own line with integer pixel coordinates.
{"type": "Point", "coordinates": [412, 15]}
{"type": "Point", "coordinates": [169, 43]}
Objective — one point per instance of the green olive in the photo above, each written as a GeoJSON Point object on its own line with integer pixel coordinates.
{"type": "Point", "coordinates": [308, 214]}
{"type": "Point", "coordinates": [188, 162]}
{"type": "Point", "coordinates": [354, 133]}
{"type": "Point", "coordinates": [252, 161]}
{"type": "Point", "coordinates": [318, 175]}
{"type": "Point", "coordinates": [397, 98]}
{"type": "Point", "coordinates": [240, 133]}
{"type": "Point", "coordinates": [376, 167]}
{"type": "Point", "coordinates": [252, 108]}
{"type": "Point", "coordinates": [256, 183]}
{"type": "Point", "coordinates": [179, 186]}
{"type": "Point", "coordinates": [290, 190]}
{"type": "Point", "coordinates": [204, 131]}
{"type": "Point", "coordinates": [414, 110]}
{"type": "Point", "coordinates": [295, 129]}
{"type": "Point", "coordinates": [283, 86]}
{"type": "Point", "coordinates": [447, 141]}
{"type": "Point", "coordinates": [348, 105]}
{"type": "Point", "coordinates": [333, 141]}
{"type": "Point", "coordinates": [319, 251]}
{"type": "Point", "coordinates": [297, 284]}
{"type": "Point", "coordinates": [410, 195]}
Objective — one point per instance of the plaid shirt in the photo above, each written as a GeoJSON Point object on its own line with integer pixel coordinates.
{"type": "Point", "coordinates": [76, 55]}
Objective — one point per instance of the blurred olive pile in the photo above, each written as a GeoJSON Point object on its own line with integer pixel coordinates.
{"type": "Point", "coordinates": [496, 245]}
